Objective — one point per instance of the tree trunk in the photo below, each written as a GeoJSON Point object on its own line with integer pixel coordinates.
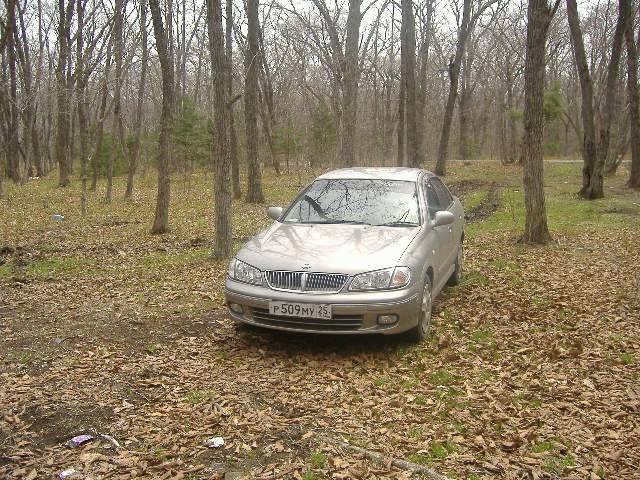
{"type": "Point", "coordinates": [351, 78]}
{"type": "Point", "coordinates": [595, 188]}
{"type": "Point", "coordinates": [595, 150]}
{"type": "Point", "coordinates": [511, 121]}
{"type": "Point", "coordinates": [463, 107]}
{"type": "Point", "coordinates": [454, 74]}
{"type": "Point", "coordinates": [408, 54]}
{"type": "Point", "coordinates": [102, 113]}
{"type": "Point", "coordinates": [161, 219]}
{"type": "Point", "coordinates": [13, 144]}
{"type": "Point", "coordinates": [266, 102]}
{"type": "Point", "coordinates": [539, 16]}
{"type": "Point", "coordinates": [252, 64]}
{"type": "Point", "coordinates": [117, 94]}
{"type": "Point", "coordinates": [423, 81]}
{"type": "Point", "coordinates": [81, 82]}
{"type": "Point", "coordinates": [219, 64]}
{"type": "Point", "coordinates": [401, 131]}
{"type": "Point", "coordinates": [233, 139]}
{"type": "Point", "coordinates": [135, 153]}
{"type": "Point", "coordinates": [634, 105]}
{"type": "Point", "coordinates": [29, 98]}
{"type": "Point", "coordinates": [63, 123]}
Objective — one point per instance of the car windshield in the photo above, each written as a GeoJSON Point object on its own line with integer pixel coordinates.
{"type": "Point", "coordinates": [358, 201]}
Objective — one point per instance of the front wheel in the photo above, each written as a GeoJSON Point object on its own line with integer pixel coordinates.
{"type": "Point", "coordinates": [456, 276]}
{"type": "Point", "coordinates": [421, 330]}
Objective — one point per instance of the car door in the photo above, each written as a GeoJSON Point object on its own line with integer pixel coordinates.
{"type": "Point", "coordinates": [442, 235]}
{"type": "Point", "coordinates": [445, 198]}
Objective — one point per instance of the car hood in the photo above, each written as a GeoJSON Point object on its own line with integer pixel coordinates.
{"type": "Point", "coordinates": [336, 248]}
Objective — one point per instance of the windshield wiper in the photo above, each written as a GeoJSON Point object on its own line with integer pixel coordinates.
{"type": "Point", "coordinates": [350, 222]}
{"type": "Point", "coordinates": [398, 223]}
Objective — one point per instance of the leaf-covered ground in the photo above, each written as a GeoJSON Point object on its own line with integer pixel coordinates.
{"type": "Point", "coordinates": [532, 370]}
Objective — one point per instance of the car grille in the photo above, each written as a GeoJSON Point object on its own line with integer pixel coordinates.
{"type": "Point", "coordinates": [306, 282]}
{"type": "Point", "coordinates": [337, 323]}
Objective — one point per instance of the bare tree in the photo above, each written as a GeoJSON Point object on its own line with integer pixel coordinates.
{"type": "Point", "coordinates": [161, 219]}
{"type": "Point", "coordinates": [426, 22]}
{"type": "Point", "coordinates": [408, 105]}
{"type": "Point", "coordinates": [634, 102]}
{"type": "Point", "coordinates": [219, 64]}
{"type": "Point", "coordinates": [351, 77]}
{"type": "Point", "coordinates": [539, 15]}
{"type": "Point", "coordinates": [63, 117]}
{"type": "Point", "coordinates": [468, 18]}
{"type": "Point", "coordinates": [233, 139]}
{"type": "Point", "coordinates": [252, 64]}
{"type": "Point", "coordinates": [13, 145]}
{"type": "Point", "coordinates": [144, 62]}
{"type": "Point", "coordinates": [29, 95]}
{"type": "Point", "coordinates": [81, 84]}
{"type": "Point", "coordinates": [595, 149]}
{"type": "Point", "coordinates": [102, 114]}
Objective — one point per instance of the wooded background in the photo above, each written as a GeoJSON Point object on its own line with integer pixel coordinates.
{"type": "Point", "coordinates": [101, 88]}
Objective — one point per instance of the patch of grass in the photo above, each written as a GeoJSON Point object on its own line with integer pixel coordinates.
{"type": "Point", "coordinates": [410, 383]}
{"type": "Point", "coordinates": [556, 170]}
{"type": "Point", "coordinates": [437, 451]}
{"type": "Point", "coordinates": [6, 271]}
{"type": "Point", "coordinates": [160, 453]}
{"type": "Point", "coordinates": [163, 259]}
{"type": "Point", "coordinates": [442, 377]}
{"type": "Point", "coordinates": [416, 432]}
{"type": "Point", "coordinates": [61, 266]}
{"type": "Point", "coordinates": [442, 450]}
{"type": "Point", "coordinates": [486, 376]}
{"type": "Point", "coordinates": [318, 460]}
{"type": "Point", "coordinates": [482, 336]}
{"type": "Point", "coordinates": [420, 458]}
{"type": "Point", "coordinates": [25, 358]}
{"type": "Point", "coordinates": [627, 358]}
{"type": "Point", "coordinates": [542, 447]}
{"type": "Point", "coordinates": [566, 212]}
{"type": "Point", "coordinates": [501, 264]}
{"type": "Point", "coordinates": [381, 381]}
{"type": "Point", "coordinates": [420, 400]}
{"type": "Point", "coordinates": [474, 199]}
{"type": "Point", "coordinates": [557, 465]}
{"type": "Point", "coordinates": [311, 476]}
{"type": "Point", "coordinates": [472, 278]}
{"type": "Point", "coordinates": [195, 397]}
{"type": "Point", "coordinates": [152, 349]}
{"type": "Point", "coordinates": [540, 301]}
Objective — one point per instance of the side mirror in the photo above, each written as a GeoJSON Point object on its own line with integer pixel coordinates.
{"type": "Point", "coordinates": [274, 213]}
{"type": "Point", "coordinates": [443, 218]}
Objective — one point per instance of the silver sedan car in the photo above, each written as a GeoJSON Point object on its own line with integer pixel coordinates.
{"type": "Point", "coordinates": [359, 250]}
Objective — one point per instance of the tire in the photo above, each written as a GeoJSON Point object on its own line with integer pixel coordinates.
{"type": "Point", "coordinates": [456, 276]}
{"type": "Point", "coordinates": [421, 331]}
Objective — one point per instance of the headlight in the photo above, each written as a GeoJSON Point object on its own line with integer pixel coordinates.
{"type": "Point", "coordinates": [382, 279]}
{"type": "Point", "coordinates": [243, 272]}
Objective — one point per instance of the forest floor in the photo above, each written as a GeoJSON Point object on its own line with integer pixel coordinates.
{"type": "Point", "coordinates": [532, 369]}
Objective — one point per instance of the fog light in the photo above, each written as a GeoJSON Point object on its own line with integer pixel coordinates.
{"type": "Point", "coordinates": [387, 319]}
{"type": "Point", "coordinates": [235, 308]}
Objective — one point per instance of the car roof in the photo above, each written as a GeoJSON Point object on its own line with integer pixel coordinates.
{"type": "Point", "coordinates": [375, 173]}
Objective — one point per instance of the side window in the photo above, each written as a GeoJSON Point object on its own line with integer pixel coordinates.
{"type": "Point", "coordinates": [443, 193]}
{"type": "Point", "coordinates": [433, 200]}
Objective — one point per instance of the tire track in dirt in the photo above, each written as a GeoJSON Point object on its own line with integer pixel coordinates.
{"type": "Point", "coordinates": [486, 207]}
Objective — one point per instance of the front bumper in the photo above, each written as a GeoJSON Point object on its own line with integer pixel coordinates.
{"type": "Point", "coordinates": [352, 312]}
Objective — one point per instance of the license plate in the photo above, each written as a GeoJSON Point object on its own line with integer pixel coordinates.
{"type": "Point", "coordinates": [306, 310]}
